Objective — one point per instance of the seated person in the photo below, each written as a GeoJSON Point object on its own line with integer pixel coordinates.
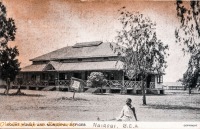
{"type": "Point", "coordinates": [128, 112]}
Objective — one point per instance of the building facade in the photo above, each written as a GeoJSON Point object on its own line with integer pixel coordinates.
{"type": "Point", "coordinates": [57, 67]}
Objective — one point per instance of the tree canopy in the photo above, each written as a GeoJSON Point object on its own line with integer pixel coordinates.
{"type": "Point", "coordinates": [138, 46]}
{"type": "Point", "coordinates": [188, 36]}
{"type": "Point", "coordinates": [9, 64]}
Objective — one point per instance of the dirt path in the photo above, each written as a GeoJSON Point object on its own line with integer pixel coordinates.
{"type": "Point", "coordinates": [58, 106]}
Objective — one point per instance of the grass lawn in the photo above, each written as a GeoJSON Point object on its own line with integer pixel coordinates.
{"type": "Point", "coordinates": [58, 106]}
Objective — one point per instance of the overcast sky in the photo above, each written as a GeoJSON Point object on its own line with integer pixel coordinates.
{"type": "Point", "coordinates": [47, 25]}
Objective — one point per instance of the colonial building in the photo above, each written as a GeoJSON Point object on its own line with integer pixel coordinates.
{"type": "Point", "coordinates": [57, 67]}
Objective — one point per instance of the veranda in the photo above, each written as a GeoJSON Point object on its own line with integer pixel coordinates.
{"type": "Point", "coordinates": [61, 80]}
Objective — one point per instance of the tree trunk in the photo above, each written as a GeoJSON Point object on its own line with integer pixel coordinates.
{"type": "Point", "coordinates": [19, 90]}
{"type": "Point", "coordinates": [7, 87]}
{"type": "Point", "coordinates": [190, 90]}
{"type": "Point", "coordinates": [143, 92]}
{"type": "Point", "coordinates": [101, 89]}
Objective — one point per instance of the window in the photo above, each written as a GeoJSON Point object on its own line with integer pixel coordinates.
{"type": "Point", "coordinates": [160, 79]}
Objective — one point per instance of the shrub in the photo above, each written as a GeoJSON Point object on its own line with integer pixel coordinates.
{"type": "Point", "coordinates": [96, 79]}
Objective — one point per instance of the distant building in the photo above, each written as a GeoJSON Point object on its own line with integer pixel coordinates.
{"type": "Point", "coordinates": [57, 67]}
{"type": "Point", "coordinates": [173, 85]}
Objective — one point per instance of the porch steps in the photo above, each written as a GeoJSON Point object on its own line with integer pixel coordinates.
{"type": "Point", "coordinates": [93, 90]}
{"type": "Point", "coordinates": [49, 88]}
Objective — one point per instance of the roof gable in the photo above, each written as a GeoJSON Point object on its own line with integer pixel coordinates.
{"type": "Point", "coordinates": [49, 67]}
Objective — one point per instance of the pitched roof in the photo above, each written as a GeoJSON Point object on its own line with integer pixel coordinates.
{"type": "Point", "coordinates": [34, 68]}
{"type": "Point", "coordinates": [79, 66]}
{"type": "Point", "coordinates": [79, 50]}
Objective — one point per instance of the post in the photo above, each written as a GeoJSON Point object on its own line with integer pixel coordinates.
{"type": "Point", "coordinates": [123, 78]}
{"type": "Point", "coordinates": [156, 81]}
{"type": "Point", "coordinates": [57, 81]}
{"type": "Point", "coordinates": [57, 86]}
{"type": "Point", "coordinates": [74, 93]}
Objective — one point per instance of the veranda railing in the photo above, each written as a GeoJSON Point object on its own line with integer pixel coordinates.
{"type": "Point", "coordinates": [110, 83]}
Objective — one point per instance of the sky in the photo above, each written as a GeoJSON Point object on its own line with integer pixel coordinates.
{"type": "Point", "coordinates": [46, 25]}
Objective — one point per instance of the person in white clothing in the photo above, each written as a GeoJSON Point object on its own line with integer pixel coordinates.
{"type": "Point", "coordinates": [128, 112]}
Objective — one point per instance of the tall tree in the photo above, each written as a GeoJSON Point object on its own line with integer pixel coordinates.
{"type": "Point", "coordinates": [138, 47]}
{"type": "Point", "coordinates": [9, 65]}
{"type": "Point", "coordinates": [188, 36]}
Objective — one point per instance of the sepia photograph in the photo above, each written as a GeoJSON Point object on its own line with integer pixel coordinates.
{"type": "Point", "coordinates": [99, 61]}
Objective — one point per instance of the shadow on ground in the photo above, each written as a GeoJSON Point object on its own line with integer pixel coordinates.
{"type": "Point", "coordinates": [102, 94]}
{"type": "Point", "coordinates": [70, 98]}
{"type": "Point", "coordinates": [172, 107]}
{"type": "Point", "coordinates": [28, 95]}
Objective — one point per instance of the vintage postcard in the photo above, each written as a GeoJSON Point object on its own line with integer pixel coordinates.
{"type": "Point", "coordinates": [99, 64]}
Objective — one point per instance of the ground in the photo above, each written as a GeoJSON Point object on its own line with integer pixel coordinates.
{"type": "Point", "coordinates": [58, 106]}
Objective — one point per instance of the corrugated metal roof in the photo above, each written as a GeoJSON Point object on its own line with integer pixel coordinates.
{"type": "Point", "coordinates": [101, 50]}
{"type": "Point", "coordinates": [34, 68]}
{"type": "Point", "coordinates": [79, 66]}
